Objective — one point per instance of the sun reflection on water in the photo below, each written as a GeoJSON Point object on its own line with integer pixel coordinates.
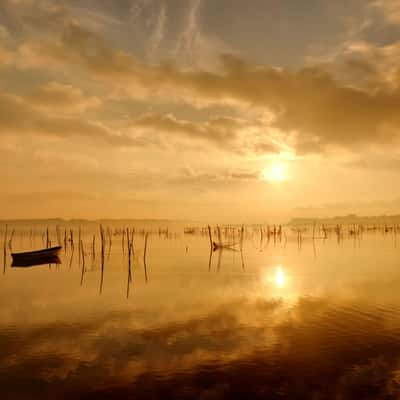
{"type": "Point", "coordinates": [279, 277]}
{"type": "Point", "coordinates": [275, 277]}
{"type": "Point", "coordinates": [276, 282]}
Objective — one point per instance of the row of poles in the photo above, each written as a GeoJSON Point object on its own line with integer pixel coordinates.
{"type": "Point", "coordinates": [127, 244]}
{"type": "Point", "coordinates": [67, 237]}
{"type": "Point", "coordinates": [235, 234]}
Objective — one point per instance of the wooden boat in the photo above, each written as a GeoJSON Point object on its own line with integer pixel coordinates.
{"type": "Point", "coordinates": [37, 254]}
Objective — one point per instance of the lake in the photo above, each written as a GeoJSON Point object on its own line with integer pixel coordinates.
{"type": "Point", "coordinates": [310, 318]}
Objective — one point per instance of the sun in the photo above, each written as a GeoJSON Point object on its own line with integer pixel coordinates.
{"type": "Point", "coordinates": [276, 172]}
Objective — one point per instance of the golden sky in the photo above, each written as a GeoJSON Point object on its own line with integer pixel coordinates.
{"type": "Point", "coordinates": [200, 109]}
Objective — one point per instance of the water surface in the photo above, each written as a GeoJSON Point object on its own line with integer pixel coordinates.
{"type": "Point", "coordinates": [316, 320]}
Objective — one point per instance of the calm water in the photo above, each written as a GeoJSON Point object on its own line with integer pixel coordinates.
{"type": "Point", "coordinates": [320, 321]}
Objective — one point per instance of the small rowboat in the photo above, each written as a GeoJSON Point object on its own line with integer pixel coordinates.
{"type": "Point", "coordinates": [37, 257]}
{"type": "Point", "coordinates": [51, 251]}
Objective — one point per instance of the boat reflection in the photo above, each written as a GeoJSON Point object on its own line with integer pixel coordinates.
{"type": "Point", "coordinates": [36, 261]}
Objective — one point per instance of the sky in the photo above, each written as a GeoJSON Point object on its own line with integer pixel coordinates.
{"type": "Point", "coordinates": [199, 109]}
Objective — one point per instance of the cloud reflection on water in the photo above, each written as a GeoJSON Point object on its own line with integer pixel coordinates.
{"type": "Point", "coordinates": [289, 325]}
{"type": "Point", "coordinates": [317, 347]}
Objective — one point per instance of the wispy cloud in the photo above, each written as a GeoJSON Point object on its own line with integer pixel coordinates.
{"type": "Point", "coordinates": [186, 43]}
{"type": "Point", "coordinates": [389, 8]}
{"type": "Point", "coordinates": [157, 36]}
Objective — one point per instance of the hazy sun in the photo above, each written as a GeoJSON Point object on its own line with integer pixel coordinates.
{"type": "Point", "coordinates": [275, 173]}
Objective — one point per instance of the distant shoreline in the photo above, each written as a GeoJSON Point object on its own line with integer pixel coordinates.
{"type": "Point", "coordinates": [341, 219]}
{"type": "Point", "coordinates": [346, 219]}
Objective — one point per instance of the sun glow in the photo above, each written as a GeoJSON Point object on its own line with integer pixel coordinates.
{"type": "Point", "coordinates": [275, 173]}
{"type": "Point", "coordinates": [276, 278]}
{"type": "Point", "coordinates": [279, 278]}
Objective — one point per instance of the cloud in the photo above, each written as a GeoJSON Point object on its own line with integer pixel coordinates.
{"type": "Point", "coordinates": [389, 8]}
{"type": "Point", "coordinates": [17, 116]}
{"type": "Point", "coordinates": [6, 56]}
{"type": "Point", "coordinates": [217, 178]}
{"type": "Point", "coordinates": [367, 66]}
{"type": "Point", "coordinates": [221, 130]}
{"type": "Point", "coordinates": [186, 43]}
{"type": "Point", "coordinates": [309, 103]}
{"type": "Point", "coordinates": [56, 110]}
{"type": "Point", "coordinates": [6, 52]}
{"type": "Point", "coordinates": [381, 163]}
{"type": "Point", "coordinates": [159, 31]}
{"type": "Point", "coordinates": [251, 175]}
{"type": "Point", "coordinates": [235, 135]}
{"type": "Point", "coordinates": [26, 18]}
{"type": "Point", "coordinates": [314, 108]}
{"type": "Point", "coordinates": [56, 96]}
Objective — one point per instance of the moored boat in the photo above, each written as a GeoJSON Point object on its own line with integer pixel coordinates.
{"type": "Point", "coordinates": [37, 254]}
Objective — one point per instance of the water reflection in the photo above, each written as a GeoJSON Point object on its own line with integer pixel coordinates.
{"type": "Point", "coordinates": [259, 349]}
{"type": "Point", "coordinates": [279, 277]}
{"type": "Point", "coordinates": [36, 261]}
{"type": "Point", "coordinates": [289, 325]}
{"type": "Point", "coordinates": [274, 277]}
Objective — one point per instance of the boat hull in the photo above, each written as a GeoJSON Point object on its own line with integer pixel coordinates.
{"type": "Point", "coordinates": [37, 254]}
